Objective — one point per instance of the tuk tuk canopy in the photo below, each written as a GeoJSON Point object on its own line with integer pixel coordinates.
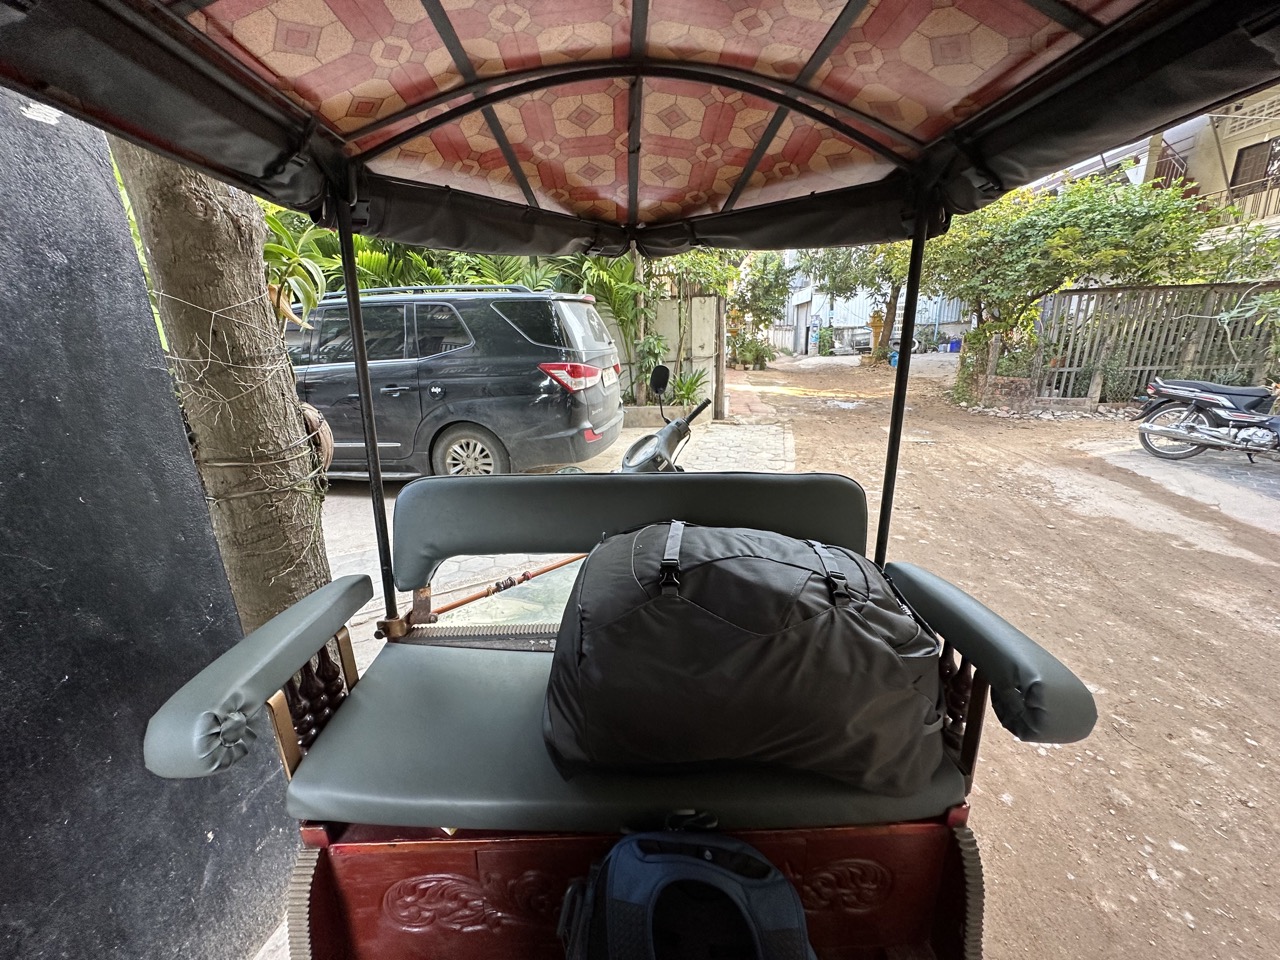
{"type": "Point", "coordinates": [554, 126]}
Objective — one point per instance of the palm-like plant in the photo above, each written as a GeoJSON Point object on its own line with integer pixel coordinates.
{"type": "Point", "coordinates": [533, 272]}
{"type": "Point", "coordinates": [295, 269]}
{"type": "Point", "coordinates": [619, 296]}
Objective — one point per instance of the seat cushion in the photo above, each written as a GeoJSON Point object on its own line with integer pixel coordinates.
{"type": "Point", "coordinates": [452, 737]}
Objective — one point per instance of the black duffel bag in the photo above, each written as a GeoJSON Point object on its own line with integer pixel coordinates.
{"type": "Point", "coordinates": [689, 646]}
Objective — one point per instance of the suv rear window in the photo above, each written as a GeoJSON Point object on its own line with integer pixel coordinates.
{"type": "Point", "coordinates": [383, 334]}
{"type": "Point", "coordinates": [536, 319]}
{"type": "Point", "coordinates": [558, 323]}
{"type": "Point", "coordinates": [585, 327]}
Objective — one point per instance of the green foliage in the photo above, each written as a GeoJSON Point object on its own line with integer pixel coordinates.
{"type": "Point", "coordinates": [826, 342]}
{"type": "Point", "coordinates": [736, 342]}
{"type": "Point", "coordinates": [763, 288]}
{"type": "Point", "coordinates": [294, 266]}
{"type": "Point", "coordinates": [1017, 362]}
{"type": "Point", "coordinates": [1264, 308]}
{"type": "Point", "coordinates": [702, 270]}
{"type": "Point", "coordinates": [973, 366]}
{"type": "Point", "coordinates": [755, 351]}
{"type": "Point", "coordinates": [1003, 258]}
{"type": "Point", "coordinates": [536, 273]}
{"type": "Point", "coordinates": [687, 390]}
{"type": "Point", "coordinates": [650, 351]}
{"type": "Point", "coordinates": [1239, 253]}
{"type": "Point", "coordinates": [619, 296]}
{"type": "Point", "coordinates": [840, 272]}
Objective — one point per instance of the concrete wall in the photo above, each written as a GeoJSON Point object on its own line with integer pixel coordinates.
{"type": "Point", "coordinates": [700, 347]}
{"type": "Point", "coordinates": [113, 596]}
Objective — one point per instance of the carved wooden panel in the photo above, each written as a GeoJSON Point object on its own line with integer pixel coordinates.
{"type": "Point", "coordinates": [314, 693]}
{"type": "Point", "coordinates": [420, 894]}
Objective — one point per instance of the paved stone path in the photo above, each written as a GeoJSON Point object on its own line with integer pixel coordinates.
{"type": "Point", "coordinates": [741, 400]}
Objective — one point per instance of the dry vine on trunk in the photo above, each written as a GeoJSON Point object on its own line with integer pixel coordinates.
{"type": "Point", "coordinates": [261, 475]}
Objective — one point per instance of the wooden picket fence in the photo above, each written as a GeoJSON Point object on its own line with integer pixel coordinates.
{"type": "Point", "coordinates": [1107, 343]}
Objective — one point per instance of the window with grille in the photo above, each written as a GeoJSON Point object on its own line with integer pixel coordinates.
{"type": "Point", "coordinates": [1251, 117]}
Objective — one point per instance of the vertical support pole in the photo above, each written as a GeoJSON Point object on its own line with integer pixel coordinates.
{"type": "Point", "coordinates": [899, 409]}
{"type": "Point", "coordinates": [718, 411]}
{"type": "Point", "coordinates": [351, 282]}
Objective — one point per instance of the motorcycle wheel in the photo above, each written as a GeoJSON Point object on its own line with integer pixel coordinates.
{"type": "Point", "coordinates": [1167, 448]}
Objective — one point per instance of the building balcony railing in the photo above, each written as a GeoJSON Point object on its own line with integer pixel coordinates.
{"type": "Point", "coordinates": [1253, 201]}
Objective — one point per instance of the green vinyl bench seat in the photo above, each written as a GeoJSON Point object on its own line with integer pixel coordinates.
{"type": "Point", "coordinates": [452, 737]}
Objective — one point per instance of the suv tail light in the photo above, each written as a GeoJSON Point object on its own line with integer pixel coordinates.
{"type": "Point", "coordinates": [572, 376]}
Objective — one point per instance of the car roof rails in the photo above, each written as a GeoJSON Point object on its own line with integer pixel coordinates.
{"type": "Point", "coordinates": [444, 287]}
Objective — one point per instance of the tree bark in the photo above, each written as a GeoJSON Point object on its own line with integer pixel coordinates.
{"type": "Point", "coordinates": [891, 317]}
{"type": "Point", "coordinates": [260, 472]}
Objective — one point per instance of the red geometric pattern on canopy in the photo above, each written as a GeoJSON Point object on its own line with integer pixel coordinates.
{"type": "Point", "coordinates": [807, 157]}
{"type": "Point", "coordinates": [350, 61]}
{"type": "Point", "coordinates": [921, 66]}
{"type": "Point", "coordinates": [501, 36]}
{"type": "Point", "coordinates": [694, 144]}
{"type": "Point", "coordinates": [463, 154]}
{"type": "Point", "coordinates": [571, 142]}
{"type": "Point", "coordinates": [772, 37]}
{"type": "Point", "coordinates": [918, 66]}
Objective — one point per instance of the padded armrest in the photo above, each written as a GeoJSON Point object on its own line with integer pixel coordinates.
{"type": "Point", "coordinates": [204, 727]}
{"type": "Point", "coordinates": [1035, 696]}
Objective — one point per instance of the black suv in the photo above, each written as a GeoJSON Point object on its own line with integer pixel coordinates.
{"type": "Point", "coordinates": [466, 380]}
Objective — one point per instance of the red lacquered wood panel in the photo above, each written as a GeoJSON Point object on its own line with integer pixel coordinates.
{"type": "Point", "coordinates": [408, 894]}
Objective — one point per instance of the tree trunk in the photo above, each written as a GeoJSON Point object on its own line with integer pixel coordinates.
{"type": "Point", "coordinates": [261, 475]}
{"type": "Point", "coordinates": [639, 388]}
{"type": "Point", "coordinates": [891, 317]}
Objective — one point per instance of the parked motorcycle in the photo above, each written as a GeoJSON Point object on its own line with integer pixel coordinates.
{"type": "Point", "coordinates": [1184, 418]}
{"type": "Point", "coordinates": [657, 452]}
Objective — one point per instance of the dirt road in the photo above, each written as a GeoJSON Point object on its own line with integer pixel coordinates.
{"type": "Point", "coordinates": [1158, 837]}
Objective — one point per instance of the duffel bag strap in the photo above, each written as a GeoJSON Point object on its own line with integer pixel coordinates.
{"type": "Point", "coordinates": [669, 578]}
{"type": "Point", "coordinates": [838, 582]}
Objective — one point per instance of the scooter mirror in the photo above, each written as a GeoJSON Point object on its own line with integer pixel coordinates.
{"type": "Point", "coordinates": [659, 379]}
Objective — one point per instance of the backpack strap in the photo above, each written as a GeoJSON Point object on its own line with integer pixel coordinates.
{"type": "Point", "coordinates": [838, 582]}
{"type": "Point", "coordinates": [669, 577]}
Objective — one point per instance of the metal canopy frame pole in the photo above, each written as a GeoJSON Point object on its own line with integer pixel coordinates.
{"type": "Point", "coordinates": [366, 401]}
{"type": "Point", "coordinates": [918, 237]}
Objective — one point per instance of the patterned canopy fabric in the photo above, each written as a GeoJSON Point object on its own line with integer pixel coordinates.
{"type": "Point", "coordinates": [545, 125]}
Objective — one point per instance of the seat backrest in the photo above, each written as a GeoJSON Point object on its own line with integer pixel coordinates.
{"type": "Point", "coordinates": [441, 517]}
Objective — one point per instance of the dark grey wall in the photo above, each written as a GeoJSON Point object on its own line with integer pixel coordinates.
{"type": "Point", "coordinates": [111, 596]}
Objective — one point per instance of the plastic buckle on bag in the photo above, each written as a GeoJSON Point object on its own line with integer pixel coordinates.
{"type": "Point", "coordinates": [839, 587]}
{"type": "Point", "coordinates": [669, 578]}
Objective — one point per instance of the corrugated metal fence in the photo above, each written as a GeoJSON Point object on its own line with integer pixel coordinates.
{"type": "Point", "coordinates": [1132, 334]}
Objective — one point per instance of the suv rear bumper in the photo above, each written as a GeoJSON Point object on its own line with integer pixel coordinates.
{"type": "Point", "coordinates": [563, 446]}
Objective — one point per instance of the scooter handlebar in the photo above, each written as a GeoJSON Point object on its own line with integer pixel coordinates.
{"type": "Point", "coordinates": [697, 410]}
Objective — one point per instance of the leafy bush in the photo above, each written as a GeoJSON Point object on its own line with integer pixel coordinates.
{"type": "Point", "coordinates": [826, 341]}
{"type": "Point", "coordinates": [650, 351]}
{"type": "Point", "coordinates": [687, 389]}
{"type": "Point", "coordinates": [1016, 362]}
